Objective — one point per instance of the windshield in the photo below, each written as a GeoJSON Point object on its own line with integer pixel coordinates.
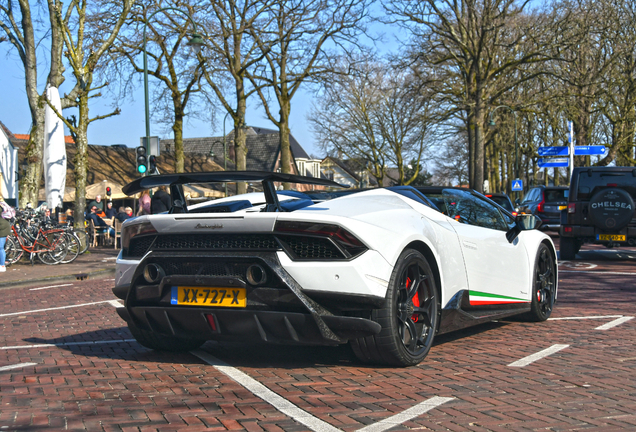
{"type": "Point", "coordinates": [590, 184]}
{"type": "Point", "coordinates": [555, 195]}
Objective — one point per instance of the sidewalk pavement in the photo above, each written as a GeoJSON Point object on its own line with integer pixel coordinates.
{"type": "Point", "coordinates": [95, 263]}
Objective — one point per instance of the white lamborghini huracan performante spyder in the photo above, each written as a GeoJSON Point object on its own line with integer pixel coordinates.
{"type": "Point", "coordinates": [382, 269]}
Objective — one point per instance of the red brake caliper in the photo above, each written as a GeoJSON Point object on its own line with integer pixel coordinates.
{"type": "Point", "coordinates": [416, 301]}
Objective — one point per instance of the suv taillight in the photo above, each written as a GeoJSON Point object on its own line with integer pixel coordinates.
{"type": "Point", "coordinates": [571, 207]}
{"type": "Point", "coordinates": [540, 206]}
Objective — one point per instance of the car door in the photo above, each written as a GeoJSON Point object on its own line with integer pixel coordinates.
{"type": "Point", "coordinates": [498, 271]}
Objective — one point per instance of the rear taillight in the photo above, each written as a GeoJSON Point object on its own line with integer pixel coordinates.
{"type": "Point", "coordinates": [336, 233]}
{"type": "Point", "coordinates": [567, 229]}
{"type": "Point", "coordinates": [515, 214]}
{"type": "Point", "coordinates": [540, 206]}
{"type": "Point", "coordinates": [571, 207]}
{"type": "Point", "coordinates": [132, 230]}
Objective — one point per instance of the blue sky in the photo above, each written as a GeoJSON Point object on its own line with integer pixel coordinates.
{"type": "Point", "coordinates": [129, 126]}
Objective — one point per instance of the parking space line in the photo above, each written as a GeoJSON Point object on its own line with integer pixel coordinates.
{"type": "Point", "coordinates": [597, 272]}
{"type": "Point", "coordinates": [538, 356]}
{"type": "Point", "coordinates": [278, 402]}
{"type": "Point", "coordinates": [115, 303]}
{"type": "Point", "coordinates": [51, 286]}
{"type": "Point", "coordinates": [67, 344]}
{"type": "Point", "coordinates": [406, 415]}
{"type": "Point", "coordinates": [16, 366]}
{"type": "Point", "coordinates": [614, 323]}
{"type": "Point", "coordinates": [54, 308]}
{"type": "Point", "coordinates": [302, 416]}
{"type": "Point", "coordinates": [586, 317]}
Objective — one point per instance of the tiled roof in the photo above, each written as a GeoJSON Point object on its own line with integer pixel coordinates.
{"type": "Point", "coordinates": [67, 138]}
{"type": "Point", "coordinates": [118, 164]}
{"type": "Point", "coordinates": [262, 148]}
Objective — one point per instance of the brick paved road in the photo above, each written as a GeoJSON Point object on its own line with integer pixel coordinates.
{"type": "Point", "coordinates": [117, 385]}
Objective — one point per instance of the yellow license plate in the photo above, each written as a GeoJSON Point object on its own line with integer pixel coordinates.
{"type": "Point", "coordinates": [610, 237]}
{"type": "Point", "coordinates": [562, 207]}
{"type": "Point", "coordinates": [204, 296]}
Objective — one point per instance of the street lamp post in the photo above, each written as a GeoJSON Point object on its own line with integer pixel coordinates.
{"type": "Point", "coordinates": [225, 150]}
{"type": "Point", "coordinates": [492, 123]}
{"type": "Point", "coordinates": [196, 42]}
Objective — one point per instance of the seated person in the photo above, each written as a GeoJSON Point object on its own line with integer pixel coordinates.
{"type": "Point", "coordinates": [110, 211]}
{"type": "Point", "coordinates": [98, 221]}
{"type": "Point", "coordinates": [69, 217]}
{"type": "Point", "coordinates": [122, 214]}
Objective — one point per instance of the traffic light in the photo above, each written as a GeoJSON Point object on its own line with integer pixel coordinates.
{"type": "Point", "coordinates": [152, 164]}
{"type": "Point", "coordinates": [108, 191]}
{"type": "Point", "coordinates": [142, 160]}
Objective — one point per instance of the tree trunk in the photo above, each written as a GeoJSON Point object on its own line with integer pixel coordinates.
{"type": "Point", "coordinates": [285, 147]}
{"type": "Point", "coordinates": [478, 178]}
{"type": "Point", "coordinates": [177, 129]}
{"type": "Point", "coordinates": [81, 162]}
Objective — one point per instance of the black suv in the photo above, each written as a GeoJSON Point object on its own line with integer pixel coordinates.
{"type": "Point", "coordinates": [547, 203]}
{"type": "Point", "coordinates": [600, 209]}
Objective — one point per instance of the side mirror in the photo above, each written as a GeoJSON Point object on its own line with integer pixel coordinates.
{"type": "Point", "coordinates": [523, 222]}
{"type": "Point", "coordinates": [517, 202]}
{"type": "Point", "coordinates": [527, 222]}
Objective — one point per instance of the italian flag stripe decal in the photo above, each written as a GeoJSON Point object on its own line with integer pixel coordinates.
{"type": "Point", "coordinates": [482, 298]}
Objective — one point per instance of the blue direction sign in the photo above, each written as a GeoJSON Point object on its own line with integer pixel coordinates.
{"type": "Point", "coordinates": [553, 151]}
{"type": "Point", "coordinates": [553, 163]}
{"type": "Point", "coordinates": [517, 185]}
{"type": "Point", "coordinates": [589, 150]}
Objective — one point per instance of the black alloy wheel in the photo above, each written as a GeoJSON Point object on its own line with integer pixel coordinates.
{"type": "Point", "coordinates": [409, 317]}
{"type": "Point", "coordinates": [544, 285]}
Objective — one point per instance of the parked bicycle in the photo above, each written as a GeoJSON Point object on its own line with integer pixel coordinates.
{"type": "Point", "coordinates": [31, 234]}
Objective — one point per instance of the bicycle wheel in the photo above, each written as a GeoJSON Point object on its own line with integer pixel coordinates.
{"type": "Point", "coordinates": [73, 247]}
{"type": "Point", "coordinates": [12, 250]}
{"type": "Point", "coordinates": [56, 250]}
{"type": "Point", "coordinates": [84, 240]}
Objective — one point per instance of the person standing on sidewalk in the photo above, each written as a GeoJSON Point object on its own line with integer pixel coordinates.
{"type": "Point", "coordinates": [5, 229]}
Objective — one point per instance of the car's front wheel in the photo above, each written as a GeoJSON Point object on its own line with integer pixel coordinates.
{"type": "Point", "coordinates": [408, 318]}
{"type": "Point", "coordinates": [159, 342]}
{"type": "Point", "coordinates": [544, 286]}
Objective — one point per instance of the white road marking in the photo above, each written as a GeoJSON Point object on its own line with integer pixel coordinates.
{"type": "Point", "coordinates": [597, 272]}
{"type": "Point", "coordinates": [278, 402]}
{"type": "Point", "coordinates": [302, 416]}
{"type": "Point", "coordinates": [51, 286]}
{"type": "Point", "coordinates": [616, 322]}
{"type": "Point", "coordinates": [577, 264]}
{"type": "Point", "coordinates": [406, 415]}
{"type": "Point", "coordinates": [538, 356]}
{"type": "Point", "coordinates": [56, 308]}
{"type": "Point", "coordinates": [16, 366]}
{"type": "Point", "coordinates": [67, 344]}
{"type": "Point", "coordinates": [115, 303]}
{"type": "Point", "coordinates": [586, 317]}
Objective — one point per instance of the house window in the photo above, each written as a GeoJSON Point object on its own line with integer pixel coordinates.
{"type": "Point", "coordinates": [301, 168]}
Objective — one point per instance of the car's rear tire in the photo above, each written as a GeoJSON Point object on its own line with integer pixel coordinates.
{"type": "Point", "coordinates": [568, 248]}
{"type": "Point", "coordinates": [543, 286]}
{"type": "Point", "coordinates": [163, 343]}
{"type": "Point", "coordinates": [408, 318]}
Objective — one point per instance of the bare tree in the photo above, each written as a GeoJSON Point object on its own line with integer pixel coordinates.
{"type": "Point", "coordinates": [377, 114]}
{"type": "Point", "coordinates": [21, 33]}
{"type": "Point", "coordinates": [230, 54]}
{"type": "Point", "coordinates": [295, 48]}
{"type": "Point", "coordinates": [178, 72]}
{"type": "Point", "coordinates": [477, 46]}
{"type": "Point", "coordinates": [89, 34]}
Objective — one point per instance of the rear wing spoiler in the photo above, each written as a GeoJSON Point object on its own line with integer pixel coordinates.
{"type": "Point", "coordinates": [176, 182]}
